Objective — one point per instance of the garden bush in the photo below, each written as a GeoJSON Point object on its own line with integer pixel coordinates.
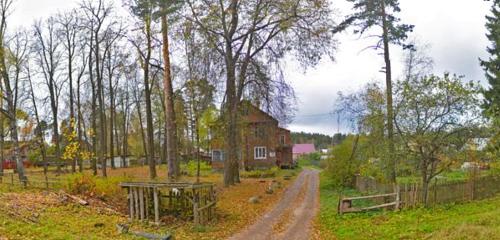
{"type": "Point", "coordinates": [267, 173]}
{"type": "Point", "coordinates": [191, 167]}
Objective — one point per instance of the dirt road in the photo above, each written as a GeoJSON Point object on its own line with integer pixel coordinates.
{"type": "Point", "coordinates": [292, 217]}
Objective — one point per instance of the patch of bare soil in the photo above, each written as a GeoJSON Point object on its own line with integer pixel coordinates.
{"type": "Point", "coordinates": [292, 216]}
{"type": "Point", "coordinates": [27, 206]}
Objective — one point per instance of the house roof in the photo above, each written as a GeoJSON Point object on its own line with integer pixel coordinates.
{"type": "Point", "coordinates": [247, 103]}
{"type": "Point", "coordinates": [303, 148]}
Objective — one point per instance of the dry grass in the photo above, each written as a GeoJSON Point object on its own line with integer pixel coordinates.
{"type": "Point", "coordinates": [234, 212]}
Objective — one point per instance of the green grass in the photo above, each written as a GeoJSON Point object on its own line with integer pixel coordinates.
{"type": "Point", "coordinates": [447, 177]}
{"type": "Point", "coordinates": [67, 222]}
{"type": "Point", "coordinates": [476, 220]}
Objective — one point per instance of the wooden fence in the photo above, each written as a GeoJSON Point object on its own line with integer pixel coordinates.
{"type": "Point", "coordinates": [411, 194]}
{"type": "Point", "coordinates": [32, 181]}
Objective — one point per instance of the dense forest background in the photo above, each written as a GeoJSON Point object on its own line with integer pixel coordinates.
{"type": "Point", "coordinates": [321, 141]}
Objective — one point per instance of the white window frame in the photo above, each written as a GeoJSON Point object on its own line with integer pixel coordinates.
{"type": "Point", "coordinates": [260, 152]}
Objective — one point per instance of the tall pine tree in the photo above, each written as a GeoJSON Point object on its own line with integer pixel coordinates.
{"type": "Point", "coordinates": [491, 67]}
{"type": "Point", "coordinates": [381, 16]}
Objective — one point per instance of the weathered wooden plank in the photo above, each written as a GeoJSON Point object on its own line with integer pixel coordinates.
{"type": "Point", "coordinates": [206, 206]}
{"type": "Point", "coordinates": [141, 203]}
{"type": "Point", "coordinates": [136, 202]}
{"type": "Point", "coordinates": [156, 205]}
{"type": "Point", "coordinates": [372, 196]}
{"type": "Point", "coordinates": [349, 210]}
{"type": "Point", "coordinates": [131, 203]}
{"type": "Point", "coordinates": [196, 214]}
{"type": "Point", "coordinates": [146, 204]}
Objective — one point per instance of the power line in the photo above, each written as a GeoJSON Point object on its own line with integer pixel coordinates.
{"type": "Point", "coordinates": [314, 115]}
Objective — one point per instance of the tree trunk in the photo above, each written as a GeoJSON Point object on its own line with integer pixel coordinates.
{"type": "Point", "coordinates": [55, 125]}
{"type": "Point", "coordinates": [231, 170]}
{"type": "Point", "coordinates": [125, 139]}
{"type": "Point", "coordinates": [102, 109]}
{"type": "Point", "coordinates": [170, 121]}
{"type": "Point", "coordinates": [197, 150]}
{"type": "Point", "coordinates": [17, 158]}
{"type": "Point", "coordinates": [79, 125]}
{"type": "Point", "coordinates": [390, 113]}
{"type": "Point", "coordinates": [111, 114]}
{"type": "Point", "coordinates": [71, 100]}
{"type": "Point", "coordinates": [2, 138]}
{"type": "Point", "coordinates": [94, 110]}
{"type": "Point", "coordinates": [143, 136]}
{"type": "Point", "coordinates": [425, 190]}
{"type": "Point", "coordinates": [149, 114]}
{"type": "Point", "coordinates": [40, 134]}
{"type": "Point", "coordinates": [117, 140]}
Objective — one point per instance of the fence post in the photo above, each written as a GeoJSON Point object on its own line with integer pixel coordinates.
{"type": "Point", "coordinates": [339, 207]}
{"type": "Point", "coordinates": [435, 191]}
{"type": "Point", "coordinates": [397, 197]}
{"type": "Point", "coordinates": [196, 214]}
{"type": "Point", "coordinates": [131, 203]}
{"type": "Point", "coordinates": [156, 207]}
{"type": "Point", "coordinates": [406, 195]}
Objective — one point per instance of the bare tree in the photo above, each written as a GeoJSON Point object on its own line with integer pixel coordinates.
{"type": "Point", "coordinates": [100, 24]}
{"type": "Point", "coordinates": [251, 34]}
{"type": "Point", "coordinates": [10, 79]}
{"type": "Point", "coordinates": [48, 53]}
{"type": "Point", "coordinates": [39, 131]}
{"type": "Point", "coordinates": [144, 11]}
{"type": "Point", "coordinates": [81, 73]}
{"type": "Point", "coordinates": [69, 28]}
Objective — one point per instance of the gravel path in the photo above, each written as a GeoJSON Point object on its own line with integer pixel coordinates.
{"type": "Point", "coordinates": [292, 217]}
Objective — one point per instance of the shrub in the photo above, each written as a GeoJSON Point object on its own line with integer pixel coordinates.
{"type": "Point", "coordinates": [93, 186]}
{"type": "Point", "coordinates": [495, 168]}
{"type": "Point", "coordinates": [340, 167]}
{"type": "Point", "coordinates": [323, 163]}
{"type": "Point", "coordinates": [267, 173]}
{"type": "Point", "coordinates": [191, 168]}
{"type": "Point", "coordinates": [312, 159]}
{"type": "Point", "coordinates": [80, 184]}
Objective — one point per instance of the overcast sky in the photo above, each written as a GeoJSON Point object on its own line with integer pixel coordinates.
{"type": "Point", "coordinates": [454, 29]}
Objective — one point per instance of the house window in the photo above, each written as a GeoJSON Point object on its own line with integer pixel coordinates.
{"type": "Point", "coordinates": [259, 131]}
{"type": "Point", "coordinates": [217, 155]}
{"type": "Point", "coordinates": [282, 139]}
{"type": "Point", "coordinates": [260, 153]}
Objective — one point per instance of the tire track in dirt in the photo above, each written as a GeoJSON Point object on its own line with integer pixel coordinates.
{"type": "Point", "coordinates": [299, 204]}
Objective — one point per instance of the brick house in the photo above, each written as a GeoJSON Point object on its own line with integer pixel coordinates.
{"type": "Point", "coordinates": [263, 144]}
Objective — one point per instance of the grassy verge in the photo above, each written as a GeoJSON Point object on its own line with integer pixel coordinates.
{"type": "Point", "coordinates": [475, 220]}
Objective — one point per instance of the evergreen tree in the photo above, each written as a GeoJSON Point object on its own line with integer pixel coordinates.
{"type": "Point", "coordinates": [491, 104]}
{"type": "Point", "coordinates": [371, 14]}
{"type": "Point", "coordinates": [492, 65]}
